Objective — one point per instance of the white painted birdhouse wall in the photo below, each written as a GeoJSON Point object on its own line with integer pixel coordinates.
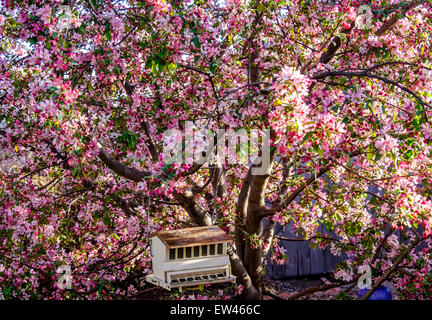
{"type": "Point", "coordinates": [196, 264]}
{"type": "Point", "coordinates": [159, 256]}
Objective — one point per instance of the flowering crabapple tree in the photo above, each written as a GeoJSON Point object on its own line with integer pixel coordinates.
{"type": "Point", "coordinates": [87, 92]}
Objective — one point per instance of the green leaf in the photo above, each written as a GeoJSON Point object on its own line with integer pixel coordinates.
{"type": "Point", "coordinates": [7, 291]}
{"type": "Point", "coordinates": [95, 3]}
{"type": "Point", "coordinates": [108, 31]}
{"type": "Point", "coordinates": [32, 40]}
{"type": "Point", "coordinates": [407, 155]}
{"type": "Point", "coordinates": [154, 68]}
{"type": "Point", "coordinates": [77, 152]}
{"type": "Point", "coordinates": [386, 54]}
{"type": "Point", "coordinates": [75, 171]}
{"type": "Point", "coordinates": [416, 122]}
{"type": "Point", "coordinates": [196, 41]}
{"type": "Point", "coordinates": [342, 36]}
{"type": "Point", "coordinates": [130, 139]}
{"type": "Point", "coordinates": [81, 29]}
{"type": "Point", "coordinates": [213, 67]}
{"type": "Point", "coordinates": [307, 136]}
{"type": "Point", "coordinates": [106, 220]}
{"type": "Point", "coordinates": [378, 156]}
{"type": "Point", "coordinates": [377, 53]}
{"type": "Point", "coordinates": [260, 8]}
{"type": "Point", "coordinates": [148, 63]}
{"type": "Point", "coordinates": [171, 67]}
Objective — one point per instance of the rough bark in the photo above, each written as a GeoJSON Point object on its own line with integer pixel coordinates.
{"type": "Point", "coordinates": [249, 292]}
{"type": "Point", "coordinates": [396, 17]}
{"type": "Point", "coordinates": [267, 236]}
{"type": "Point", "coordinates": [253, 255]}
{"type": "Point", "coordinates": [241, 213]}
{"type": "Point", "coordinates": [189, 203]}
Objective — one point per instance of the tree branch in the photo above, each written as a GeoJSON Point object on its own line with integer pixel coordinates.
{"type": "Point", "coordinates": [395, 18]}
{"type": "Point", "coordinates": [121, 169]}
{"type": "Point", "coordinates": [368, 74]}
{"type": "Point", "coordinates": [318, 288]}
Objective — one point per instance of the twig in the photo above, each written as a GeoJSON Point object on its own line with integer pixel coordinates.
{"type": "Point", "coordinates": [305, 239]}
{"type": "Point", "coordinates": [323, 287]}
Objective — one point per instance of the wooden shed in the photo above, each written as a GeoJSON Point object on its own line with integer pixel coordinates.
{"type": "Point", "coordinates": [301, 259]}
{"type": "Point", "coordinates": [189, 257]}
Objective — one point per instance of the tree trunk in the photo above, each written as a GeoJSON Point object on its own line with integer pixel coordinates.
{"type": "Point", "coordinates": [253, 254]}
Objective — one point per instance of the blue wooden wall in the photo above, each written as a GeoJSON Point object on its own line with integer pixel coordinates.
{"type": "Point", "coordinates": [301, 260]}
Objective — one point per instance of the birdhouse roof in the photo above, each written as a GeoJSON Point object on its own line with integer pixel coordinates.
{"type": "Point", "coordinates": [192, 236]}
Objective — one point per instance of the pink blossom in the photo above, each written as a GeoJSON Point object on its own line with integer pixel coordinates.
{"type": "Point", "coordinates": [45, 14]}
{"type": "Point", "coordinates": [386, 143]}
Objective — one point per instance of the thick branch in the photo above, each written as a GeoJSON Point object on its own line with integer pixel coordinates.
{"type": "Point", "coordinates": [395, 18]}
{"type": "Point", "coordinates": [151, 146]}
{"type": "Point", "coordinates": [368, 74]}
{"type": "Point", "coordinates": [241, 213]}
{"type": "Point", "coordinates": [195, 211]}
{"type": "Point", "coordinates": [121, 169]}
{"type": "Point", "coordinates": [305, 239]}
{"type": "Point", "coordinates": [318, 288]}
{"type": "Point", "coordinates": [267, 236]}
{"type": "Point", "coordinates": [238, 269]}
